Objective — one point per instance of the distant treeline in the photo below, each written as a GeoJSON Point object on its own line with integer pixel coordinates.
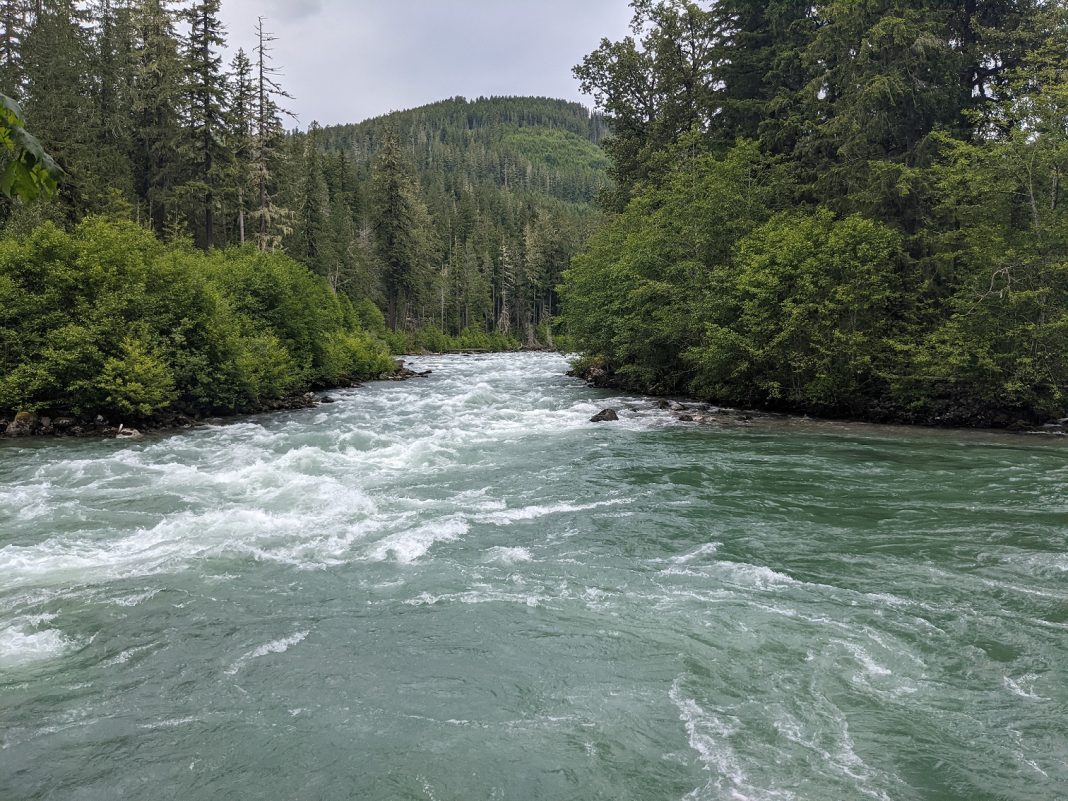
{"type": "Point", "coordinates": [839, 207]}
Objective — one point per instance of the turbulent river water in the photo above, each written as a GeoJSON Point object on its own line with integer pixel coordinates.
{"type": "Point", "coordinates": [458, 588]}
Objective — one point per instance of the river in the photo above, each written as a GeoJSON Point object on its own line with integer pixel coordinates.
{"type": "Point", "coordinates": [458, 588]}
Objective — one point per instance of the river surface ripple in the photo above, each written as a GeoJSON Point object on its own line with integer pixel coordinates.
{"type": "Point", "coordinates": [458, 588]}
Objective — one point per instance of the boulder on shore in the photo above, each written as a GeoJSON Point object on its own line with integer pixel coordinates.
{"type": "Point", "coordinates": [22, 425]}
{"type": "Point", "coordinates": [606, 416]}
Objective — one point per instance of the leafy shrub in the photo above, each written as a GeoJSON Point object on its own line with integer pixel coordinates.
{"type": "Point", "coordinates": [137, 382]}
{"type": "Point", "coordinates": [107, 319]}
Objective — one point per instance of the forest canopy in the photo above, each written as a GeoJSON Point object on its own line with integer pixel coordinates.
{"type": "Point", "coordinates": [460, 215]}
{"type": "Point", "coordinates": [302, 255]}
{"type": "Point", "coordinates": [837, 208]}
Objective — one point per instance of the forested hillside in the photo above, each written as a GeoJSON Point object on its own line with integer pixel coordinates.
{"type": "Point", "coordinates": [839, 208]}
{"type": "Point", "coordinates": [470, 210]}
{"type": "Point", "coordinates": [444, 227]}
{"type": "Point", "coordinates": [459, 215]}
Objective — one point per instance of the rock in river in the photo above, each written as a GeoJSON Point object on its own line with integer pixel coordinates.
{"type": "Point", "coordinates": [607, 416]}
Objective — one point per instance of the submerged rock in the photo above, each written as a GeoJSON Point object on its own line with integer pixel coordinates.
{"type": "Point", "coordinates": [686, 418]}
{"type": "Point", "coordinates": [606, 416]}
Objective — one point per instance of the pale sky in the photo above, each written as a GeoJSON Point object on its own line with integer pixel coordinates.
{"type": "Point", "coordinates": [347, 60]}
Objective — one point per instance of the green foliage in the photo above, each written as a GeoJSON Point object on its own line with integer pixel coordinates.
{"type": "Point", "coordinates": [137, 381]}
{"type": "Point", "coordinates": [432, 340]}
{"type": "Point", "coordinates": [109, 320]}
{"type": "Point", "coordinates": [920, 274]}
{"type": "Point", "coordinates": [427, 213]}
{"type": "Point", "coordinates": [557, 149]}
{"type": "Point", "coordinates": [653, 279]}
{"type": "Point", "coordinates": [810, 316]}
{"type": "Point", "coordinates": [455, 215]}
{"type": "Point", "coordinates": [28, 171]}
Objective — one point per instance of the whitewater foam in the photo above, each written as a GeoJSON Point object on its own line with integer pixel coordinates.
{"type": "Point", "coordinates": [408, 546]}
{"type": "Point", "coordinates": [273, 647]}
{"type": "Point", "coordinates": [508, 556]}
{"type": "Point", "coordinates": [21, 646]}
{"type": "Point", "coordinates": [536, 511]}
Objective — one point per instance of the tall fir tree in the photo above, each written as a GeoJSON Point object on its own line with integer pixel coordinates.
{"type": "Point", "coordinates": [158, 96]}
{"type": "Point", "coordinates": [14, 23]}
{"type": "Point", "coordinates": [272, 222]}
{"type": "Point", "coordinates": [401, 227]}
{"type": "Point", "coordinates": [209, 151]}
{"type": "Point", "coordinates": [312, 241]}
{"type": "Point", "coordinates": [240, 125]}
{"type": "Point", "coordinates": [57, 63]}
{"type": "Point", "coordinates": [113, 49]}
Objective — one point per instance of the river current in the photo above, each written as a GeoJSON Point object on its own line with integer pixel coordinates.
{"type": "Point", "coordinates": [458, 588]}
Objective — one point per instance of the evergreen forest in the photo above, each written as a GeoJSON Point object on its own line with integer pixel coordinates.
{"type": "Point", "coordinates": [154, 166]}
{"type": "Point", "coordinates": [838, 208]}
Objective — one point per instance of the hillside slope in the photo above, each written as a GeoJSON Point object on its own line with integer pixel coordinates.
{"type": "Point", "coordinates": [504, 197]}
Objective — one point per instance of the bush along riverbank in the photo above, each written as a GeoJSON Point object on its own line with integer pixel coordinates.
{"type": "Point", "coordinates": [819, 231]}
{"type": "Point", "coordinates": [106, 326]}
{"type": "Point", "coordinates": [693, 408]}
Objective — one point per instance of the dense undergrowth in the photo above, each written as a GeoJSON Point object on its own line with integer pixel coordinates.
{"type": "Point", "coordinates": [856, 210]}
{"type": "Point", "coordinates": [108, 320]}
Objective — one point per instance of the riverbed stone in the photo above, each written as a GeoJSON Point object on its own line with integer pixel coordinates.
{"type": "Point", "coordinates": [606, 416]}
{"type": "Point", "coordinates": [22, 425]}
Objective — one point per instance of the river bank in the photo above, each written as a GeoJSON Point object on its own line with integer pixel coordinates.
{"type": "Point", "coordinates": [30, 425]}
{"type": "Point", "coordinates": [690, 410]}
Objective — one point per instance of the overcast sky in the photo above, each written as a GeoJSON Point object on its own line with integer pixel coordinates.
{"type": "Point", "coordinates": [346, 60]}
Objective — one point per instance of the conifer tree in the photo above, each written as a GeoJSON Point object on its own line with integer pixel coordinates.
{"type": "Point", "coordinates": [272, 222]}
{"type": "Point", "coordinates": [57, 65]}
{"type": "Point", "coordinates": [240, 124]}
{"type": "Point", "coordinates": [158, 94]}
{"type": "Point", "coordinates": [208, 150]}
{"type": "Point", "coordinates": [113, 100]}
{"type": "Point", "coordinates": [14, 16]}
{"type": "Point", "coordinates": [400, 223]}
{"type": "Point", "coordinates": [312, 241]}
{"type": "Point", "coordinates": [506, 281]}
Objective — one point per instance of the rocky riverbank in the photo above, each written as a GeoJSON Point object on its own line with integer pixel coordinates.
{"type": "Point", "coordinates": [695, 411]}
{"type": "Point", "coordinates": [27, 424]}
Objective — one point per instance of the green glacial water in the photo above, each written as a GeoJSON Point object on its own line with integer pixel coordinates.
{"type": "Point", "coordinates": [458, 588]}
